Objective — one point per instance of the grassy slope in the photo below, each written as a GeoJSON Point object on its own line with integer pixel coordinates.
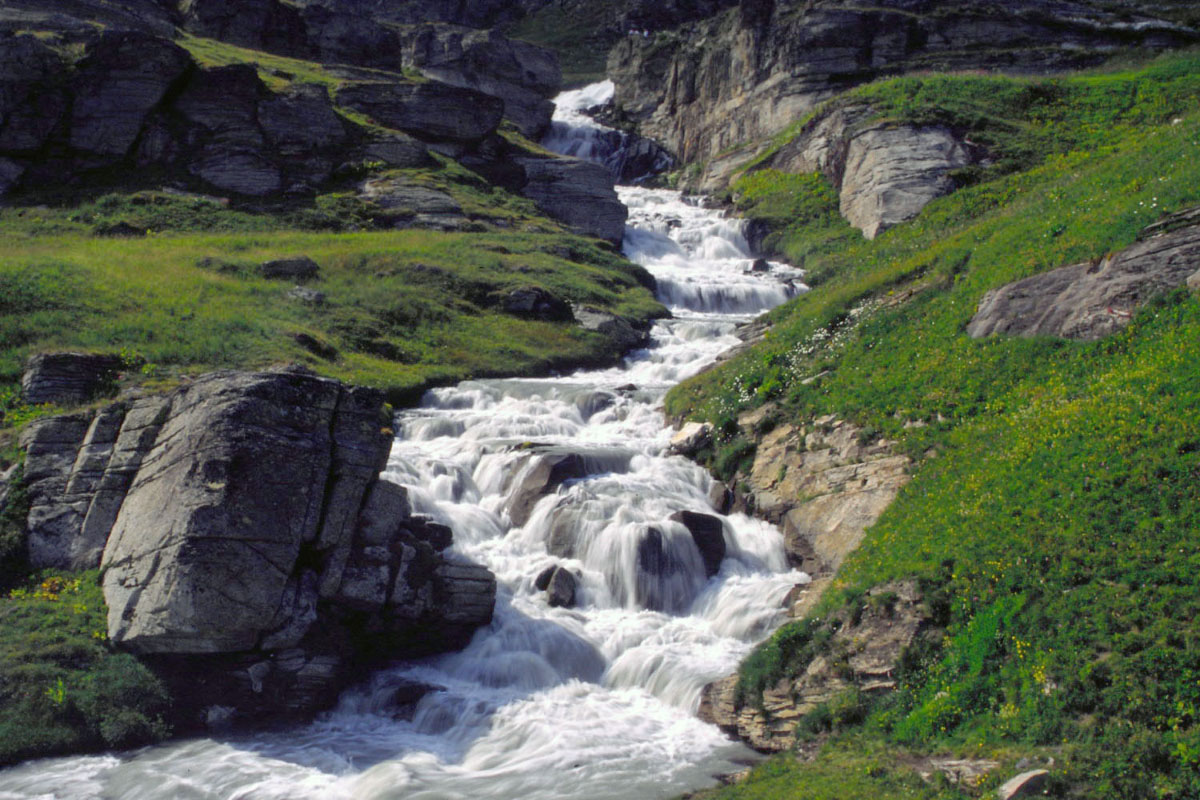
{"type": "Point", "coordinates": [403, 309]}
{"type": "Point", "coordinates": [1054, 511]}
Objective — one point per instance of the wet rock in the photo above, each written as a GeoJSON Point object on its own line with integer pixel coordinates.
{"type": "Point", "coordinates": [433, 111]}
{"type": "Point", "coordinates": [623, 335]}
{"type": "Point", "coordinates": [68, 378]}
{"type": "Point", "coordinates": [560, 589]}
{"type": "Point", "coordinates": [708, 532]}
{"type": "Point", "coordinates": [297, 268]}
{"type": "Point", "coordinates": [1027, 784]}
{"type": "Point", "coordinates": [669, 570]}
{"type": "Point", "coordinates": [1089, 301]}
{"type": "Point", "coordinates": [720, 497]}
{"type": "Point", "coordinates": [593, 403]}
{"type": "Point", "coordinates": [540, 475]}
{"type": "Point", "coordinates": [760, 266]}
{"type": "Point", "coordinates": [576, 192]}
{"type": "Point", "coordinates": [536, 303]}
{"type": "Point", "coordinates": [124, 75]}
{"type": "Point", "coordinates": [691, 438]}
{"type": "Point", "coordinates": [434, 534]}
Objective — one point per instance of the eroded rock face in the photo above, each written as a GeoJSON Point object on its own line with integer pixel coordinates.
{"type": "Point", "coordinates": [743, 75]}
{"type": "Point", "coordinates": [891, 173]}
{"type": "Point", "coordinates": [1090, 301]}
{"type": "Point", "coordinates": [577, 192]}
{"type": "Point", "coordinates": [432, 111]}
{"type": "Point", "coordinates": [68, 378]}
{"type": "Point", "coordinates": [862, 656]}
{"type": "Point", "coordinates": [242, 523]}
{"type": "Point", "coordinates": [522, 75]}
{"type": "Point", "coordinates": [824, 485]}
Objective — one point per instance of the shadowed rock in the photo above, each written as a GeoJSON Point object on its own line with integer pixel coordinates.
{"type": "Point", "coordinates": [434, 111]}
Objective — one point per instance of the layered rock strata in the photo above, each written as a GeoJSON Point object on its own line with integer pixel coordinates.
{"type": "Point", "coordinates": [712, 88]}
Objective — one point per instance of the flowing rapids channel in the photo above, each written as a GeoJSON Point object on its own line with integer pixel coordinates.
{"type": "Point", "coordinates": [595, 701]}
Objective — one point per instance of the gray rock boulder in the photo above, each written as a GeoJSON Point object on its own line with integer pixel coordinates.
{"type": "Point", "coordinates": [1027, 784]}
{"type": "Point", "coordinates": [617, 329]}
{"type": "Point", "coordinates": [524, 76]}
{"type": "Point", "coordinates": [123, 77]}
{"type": "Point", "coordinates": [397, 150]}
{"type": "Point", "coordinates": [891, 173]}
{"type": "Point", "coordinates": [68, 378]}
{"type": "Point", "coordinates": [10, 175]}
{"type": "Point", "coordinates": [708, 532]}
{"type": "Point", "coordinates": [576, 192]}
{"type": "Point", "coordinates": [293, 269]}
{"type": "Point", "coordinates": [559, 584]}
{"type": "Point", "coordinates": [259, 24]}
{"type": "Point", "coordinates": [221, 105]}
{"type": "Point", "coordinates": [30, 106]}
{"type": "Point", "coordinates": [536, 303]}
{"type": "Point", "coordinates": [1089, 301]}
{"type": "Point", "coordinates": [402, 203]}
{"type": "Point", "coordinates": [301, 121]}
{"type": "Point", "coordinates": [206, 541]}
{"type": "Point", "coordinates": [432, 110]}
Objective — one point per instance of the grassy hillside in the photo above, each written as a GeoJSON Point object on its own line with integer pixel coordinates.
{"type": "Point", "coordinates": [1054, 510]}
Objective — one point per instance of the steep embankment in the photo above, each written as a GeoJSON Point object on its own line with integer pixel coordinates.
{"type": "Point", "coordinates": [712, 92]}
{"type": "Point", "coordinates": [1048, 526]}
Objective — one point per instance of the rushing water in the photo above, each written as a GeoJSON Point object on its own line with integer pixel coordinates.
{"type": "Point", "coordinates": [595, 701]}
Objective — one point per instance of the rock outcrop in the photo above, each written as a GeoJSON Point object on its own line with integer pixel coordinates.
{"type": "Point", "coordinates": [823, 484]}
{"type": "Point", "coordinates": [580, 193]}
{"type": "Point", "coordinates": [738, 78]}
{"type": "Point", "coordinates": [68, 378]}
{"type": "Point", "coordinates": [241, 524]}
{"type": "Point", "coordinates": [860, 657]}
{"type": "Point", "coordinates": [430, 111]}
{"type": "Point", "coordinates": [1092, 300]}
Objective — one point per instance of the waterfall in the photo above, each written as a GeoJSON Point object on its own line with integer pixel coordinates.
{"type": "Point", "coordinates": [592, 701]}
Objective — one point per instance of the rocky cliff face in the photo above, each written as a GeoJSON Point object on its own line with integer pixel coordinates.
{"type": "Point", "coordinates": [748, 73]}
{"type": "Point", "coordinates": [242, 528]}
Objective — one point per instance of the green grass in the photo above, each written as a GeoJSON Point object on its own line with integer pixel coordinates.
{"type": "Point", "coordinates": [63, 688]}
{"type": "Point", "coordinates": [404, 308]}
{"type": "Point", "coordinates": [1054, 511]}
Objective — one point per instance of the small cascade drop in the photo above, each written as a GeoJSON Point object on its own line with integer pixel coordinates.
{"type": "Point", "coordinates": [594, 701]}
{"type": "Point", "coordinates": [629, 159]}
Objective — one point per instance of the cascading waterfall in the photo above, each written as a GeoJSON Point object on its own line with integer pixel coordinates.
{"type": "Point", "coordinates": [594, 701]}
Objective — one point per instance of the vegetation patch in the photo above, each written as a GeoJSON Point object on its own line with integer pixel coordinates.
{"type": "Point", "coordinates": [63, 688]}
{"type": "Point", "coordinates": [1053, 513]}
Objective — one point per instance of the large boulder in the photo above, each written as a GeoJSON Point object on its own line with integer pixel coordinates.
{"type": "Point", "coordinates": [259, 24]}
{"type": "Point", "coordinates": [579, 193]}
{"type": "Point", "coordinates": [708, 532]}
{"type": "Point", "coordinates": [1091, 300]}
{"type": "Point", "coordinates": [892, 172]}
{"type": "Point", "coordinates": [212, 526]}
{"type": "Point", "coordinates": [432, 110]}
{"type": "Point", "coordinates": [524, 76]}
{"type": "Point", "coordinates": [123, 77]}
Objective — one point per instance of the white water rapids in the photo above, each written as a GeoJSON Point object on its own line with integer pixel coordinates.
{"type": "Point", "coordinates": [593, 702]}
